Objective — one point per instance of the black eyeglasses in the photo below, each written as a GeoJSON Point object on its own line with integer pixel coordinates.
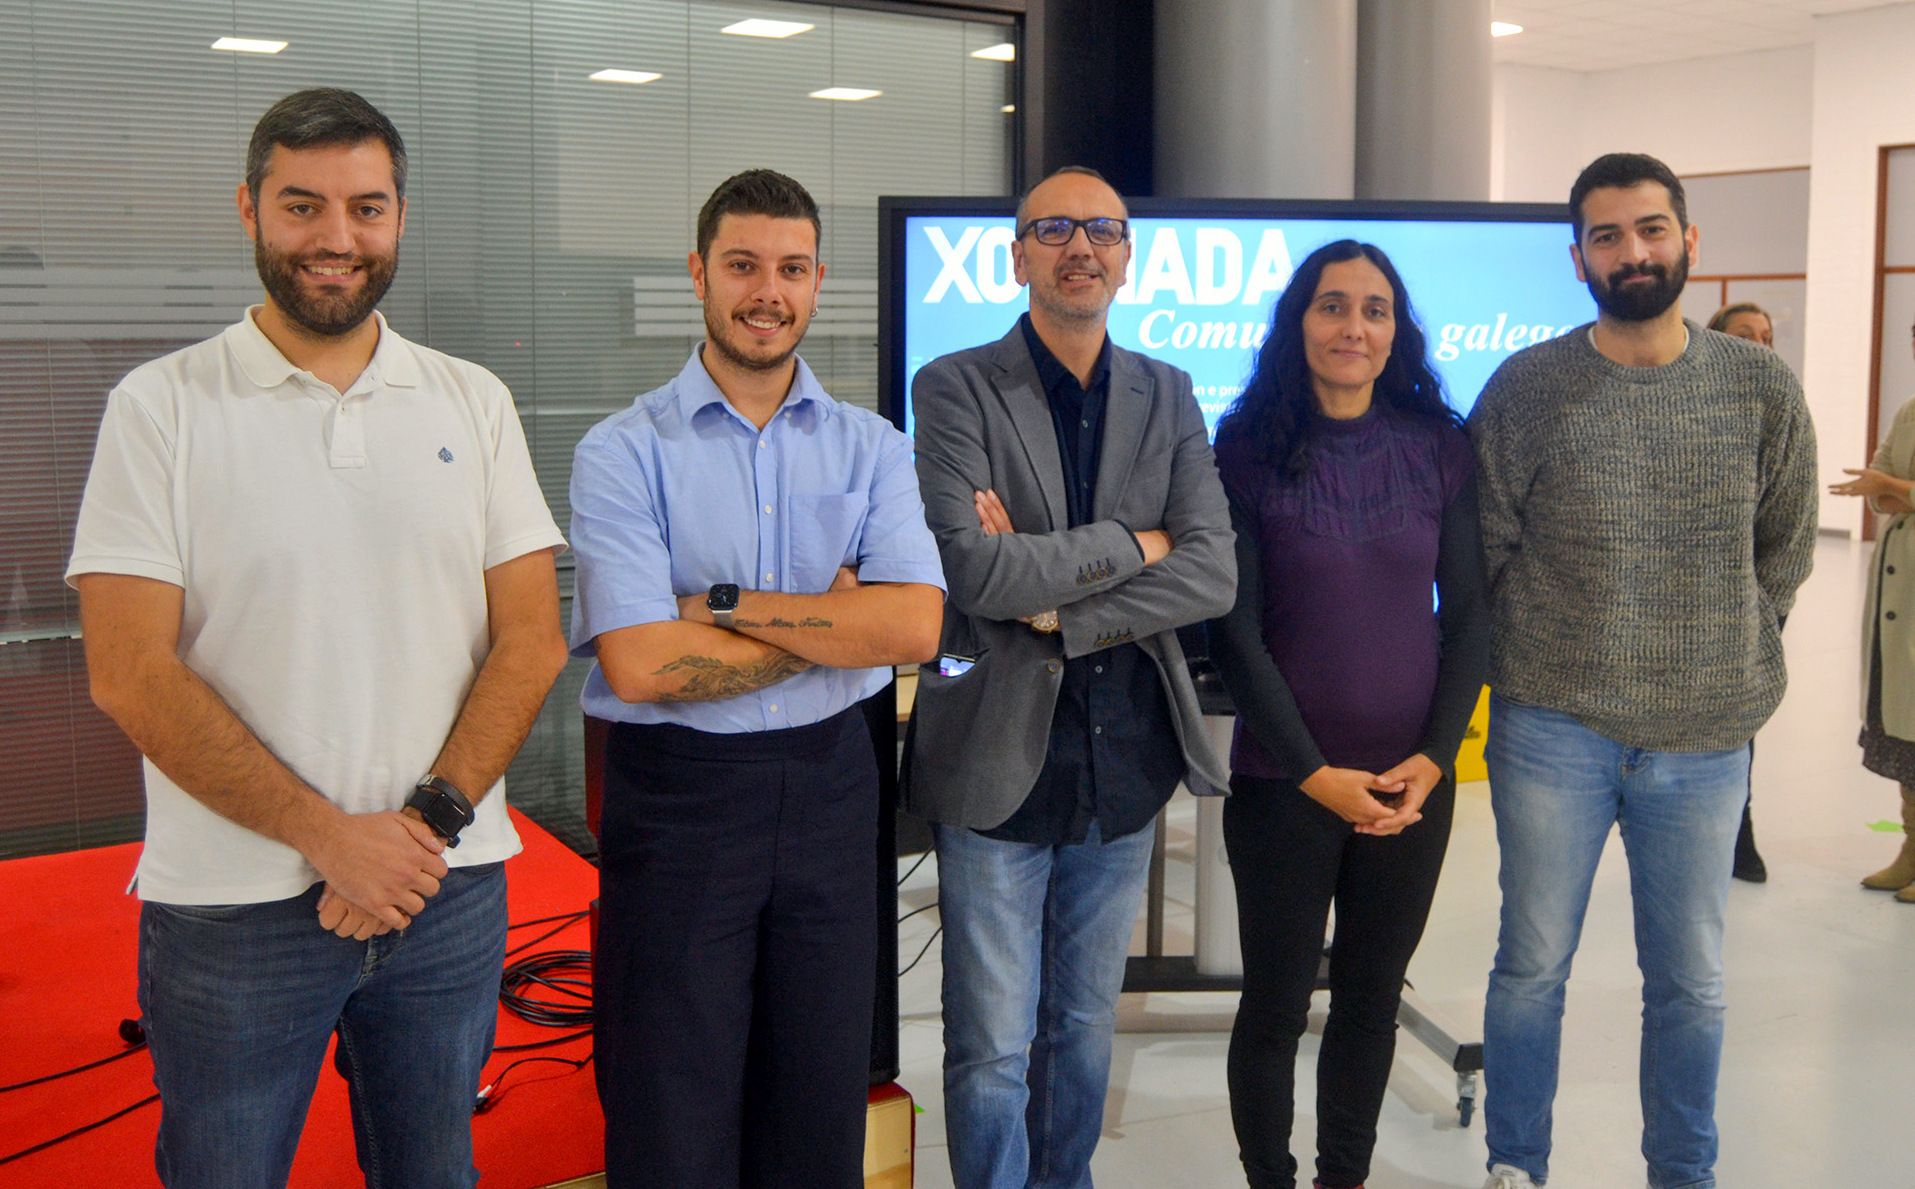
{"type": "Point", "coordinates": [1057, 231]}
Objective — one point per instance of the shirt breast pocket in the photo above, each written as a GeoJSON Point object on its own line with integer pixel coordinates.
{"type": "Point", "coordinates": [825, 530]}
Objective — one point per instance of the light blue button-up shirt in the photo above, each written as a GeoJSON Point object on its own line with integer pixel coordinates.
{"type": "Point", "coordinates": [680, 492]}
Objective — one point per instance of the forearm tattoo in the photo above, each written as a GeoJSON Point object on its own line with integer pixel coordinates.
{"type": "Point", "coordinates": [711, 679]}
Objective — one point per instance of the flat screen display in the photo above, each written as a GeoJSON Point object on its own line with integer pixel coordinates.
{"type": "Point", "coordinates": [1485, 280]}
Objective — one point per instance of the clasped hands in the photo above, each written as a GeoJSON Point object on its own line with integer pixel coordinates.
{"type": "Point", "coordinates": [380, 869]}
{"type": "Point", "coordinates": [1351, 794]}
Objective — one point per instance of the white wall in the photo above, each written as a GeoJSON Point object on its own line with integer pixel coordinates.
{"type": "Point", "coordinates": [1703, 115]}
{"type": "Point", "coordinates": [1536, 135]}
{"type": "Point", "coordinates": [1862, 101]}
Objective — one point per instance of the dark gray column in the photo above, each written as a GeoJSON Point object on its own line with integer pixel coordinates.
{"type": "Point", "coordinates": [1423, 99]}
{"type": "Point", "coordinates": [1256, 98]}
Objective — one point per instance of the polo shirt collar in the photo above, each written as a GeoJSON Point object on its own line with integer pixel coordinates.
{"type": "Point", "coordinates": [696, 390]}
{"type": "Point", "coordinates": [392, 363]}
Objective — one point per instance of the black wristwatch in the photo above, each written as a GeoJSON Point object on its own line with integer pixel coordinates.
{"type": "Point", "coordinates": [443, 807]}
{"type": "Point", "coordinates": [721, 600]}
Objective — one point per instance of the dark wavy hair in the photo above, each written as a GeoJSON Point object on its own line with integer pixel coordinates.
{"type": "Point", "coordinates": [1273, 416]}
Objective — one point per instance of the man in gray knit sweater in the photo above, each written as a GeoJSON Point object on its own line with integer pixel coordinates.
{"type": "Point", "coordinates": [1648, 503]}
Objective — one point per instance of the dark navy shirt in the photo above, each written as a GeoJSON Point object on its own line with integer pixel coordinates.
{"type": "Point", "coordinates": [1113, 755]}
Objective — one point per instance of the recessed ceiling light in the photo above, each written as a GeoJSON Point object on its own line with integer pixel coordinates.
{"type": "Point", "coordinates": [633, 77]}
{"type": "Point", "coordinates": [1003, 51]}
{"type": "Point", "coordinates": [846, 94]}
{"type": "Point", "coordinates": [1008, 108]}
{"type": "Point", "coordinates": [763, 28]}
{"type": "Point", "coordinates": [1504, 29]}
{"type": "Point", "coordinates": [249, 45]}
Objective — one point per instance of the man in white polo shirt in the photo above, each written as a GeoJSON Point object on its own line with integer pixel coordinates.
{"type": "Point", "coordinates": [317, 591]}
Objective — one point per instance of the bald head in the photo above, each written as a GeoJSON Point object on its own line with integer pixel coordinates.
{"type": "Point", "coordinates": [1071, 183]}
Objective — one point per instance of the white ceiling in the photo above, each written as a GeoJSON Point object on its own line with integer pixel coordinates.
{"type": "Point", "coordinates": [1606, 34]}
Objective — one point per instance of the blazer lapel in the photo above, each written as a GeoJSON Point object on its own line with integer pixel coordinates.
{"type": "Point", "coordinates": [1022, 395]}
{"type": "Point", "coordinates": [1125, 415]}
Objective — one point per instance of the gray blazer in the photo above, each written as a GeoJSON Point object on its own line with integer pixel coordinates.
{"type": "Point", "coordinates": [982, 420]}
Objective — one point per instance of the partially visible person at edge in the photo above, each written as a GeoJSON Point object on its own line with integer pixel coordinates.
{"type": "Point", "coordinates": [317, 590]}
{"type": "Point", "coordinates": [1352, 491]}
{"type": "Point", "coordinates": [752, 561]}
{"type": "Point", "coordinates": [1636, 648]}
{"type": "Point", "coordinates": [1077, 508]}
{"type": "Point", "coordinates": [1888, 636]}
{"type": "Point", "coordinates": [1747, 320]}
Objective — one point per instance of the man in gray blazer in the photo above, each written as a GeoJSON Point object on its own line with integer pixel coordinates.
{"type": "Point", "coordinates": [1078, 513]}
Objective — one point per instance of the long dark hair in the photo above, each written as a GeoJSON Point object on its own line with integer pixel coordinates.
{"type": "Point", "coordinates": [1273, 415]}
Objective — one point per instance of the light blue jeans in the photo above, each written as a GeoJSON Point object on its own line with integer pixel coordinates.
{"type": "Point", "coordinates": [1035, 939]}
{"type": "Point", "coordinates": [1557, 787]}
{"type": "Point", "coordinates": [240, 1000]}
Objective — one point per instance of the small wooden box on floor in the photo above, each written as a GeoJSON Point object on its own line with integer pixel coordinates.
{"type": "Point", "coordinates": [890, 1137]}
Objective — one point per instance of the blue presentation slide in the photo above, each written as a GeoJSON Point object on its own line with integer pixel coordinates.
{"type": "Point", "coordinates": [1200, 290]}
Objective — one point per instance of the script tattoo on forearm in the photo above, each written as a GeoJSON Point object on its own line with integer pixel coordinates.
{"type": "Point", "coordinates": [809, 621]}
{"type": "Point", "coordinates": [712, 680]}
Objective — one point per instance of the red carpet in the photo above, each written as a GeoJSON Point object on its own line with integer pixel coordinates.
{"type": "Point", "coordinates": [67, 938]}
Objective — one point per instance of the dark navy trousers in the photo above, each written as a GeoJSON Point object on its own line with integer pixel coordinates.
{"type": "Point", "coordinates": [733, 981]}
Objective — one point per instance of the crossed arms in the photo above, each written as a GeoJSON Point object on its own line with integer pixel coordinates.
{"type": "Point", "coordinates": [1109, 582]}
{"type": "Point", "coordinates": [774, 635]}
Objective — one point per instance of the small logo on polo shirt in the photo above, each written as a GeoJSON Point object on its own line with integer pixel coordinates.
{"type": "Point", "coordinates": [445, 455]}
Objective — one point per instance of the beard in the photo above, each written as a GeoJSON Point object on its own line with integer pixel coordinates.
{"type": "Point", "coordinates": [1081, 307]}
{"type": "Point", "coordinates": [327, 315]}
{"type": "Point", "coordinates": [1640, 303]}
{"type": "Point", "coordinates": [718, 332]}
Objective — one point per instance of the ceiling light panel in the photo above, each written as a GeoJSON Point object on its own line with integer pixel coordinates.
{"type": "Point", "coordinates": [777, 30]}
{"type": "Point", "coordinates": [1003, 51]}
{"type": "Point", "coordinates": [249, 45]}
{"type": "Point", "coordinates": [846, 94]}
{"type": "Point", "coordinates": [632, 77]}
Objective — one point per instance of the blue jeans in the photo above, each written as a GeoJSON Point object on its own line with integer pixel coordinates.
{"type": "Point", "coordinates": [1035, 940]}
{"type": "Point", "coordinates": [240, 1000]}
{"type": "Point", "coordinates": [1557, 787]}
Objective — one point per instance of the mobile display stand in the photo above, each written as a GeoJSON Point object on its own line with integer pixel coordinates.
{"type": "Point", "coordinates": [1217, 964]}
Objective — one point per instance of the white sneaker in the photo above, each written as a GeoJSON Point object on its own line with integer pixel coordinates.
{"type": "Point", "coordinates": [1506, 1176]}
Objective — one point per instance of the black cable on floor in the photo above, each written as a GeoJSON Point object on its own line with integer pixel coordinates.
{"type": "Point", "coordinates": [914, 868]}
{"type": "Point", "coordinates": [922, 952]}
{"type": "Point", "coordinates": [54, 1077]}
{"type": "Point", "coordinates": [23, 1153]}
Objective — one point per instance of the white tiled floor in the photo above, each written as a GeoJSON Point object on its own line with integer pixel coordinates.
{"type": "Point", "coordinates": [1816, 1083]}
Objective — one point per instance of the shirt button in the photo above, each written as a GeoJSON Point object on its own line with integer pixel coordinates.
{"type": "Point", "coordinates": [767, 575]}
{"type": "Point", "coordinates": [774, 707]}
{"type": "Point", "coordinates": [1097, 730]}
{"type": "Point", "coordinates": [763, 445]}
{"type": "Point", "coordinates": [767, 509]}
{"type": "Point", "coordinates": [1891, 569]}
{"type": "Point", "coordinates": [1891, 615]}
{"type": "Point", "coordinates": [1053, 667]}
{"type": "Point", "coordinates": [1085, 424]}
{"type": "Point", "coordinates": [1097, 668]}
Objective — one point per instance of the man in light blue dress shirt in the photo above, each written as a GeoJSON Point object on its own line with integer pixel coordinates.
{"type": "Point", "coordinates": [752, 560]}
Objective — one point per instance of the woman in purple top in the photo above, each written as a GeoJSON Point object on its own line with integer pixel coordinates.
{"type": "Point", "coordinates": [1351, 491]}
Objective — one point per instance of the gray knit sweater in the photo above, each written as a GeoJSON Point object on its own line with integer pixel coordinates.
{"type": "Point", "coordinates": [1645, 530]}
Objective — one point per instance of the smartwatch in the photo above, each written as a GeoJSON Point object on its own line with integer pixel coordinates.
{"type": "Point", "coordinates": [443, 807]}
{"type": "Point", "coordinates": [721, 601]}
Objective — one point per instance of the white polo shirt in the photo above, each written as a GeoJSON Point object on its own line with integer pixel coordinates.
{"type": "Point", "coordinates": [332, 550]}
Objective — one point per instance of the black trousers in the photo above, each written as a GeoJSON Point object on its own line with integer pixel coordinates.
{"type": "Point", "coordinates": [1291, 859]}
{"type": "Point", "coordinates": [733, 980]}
